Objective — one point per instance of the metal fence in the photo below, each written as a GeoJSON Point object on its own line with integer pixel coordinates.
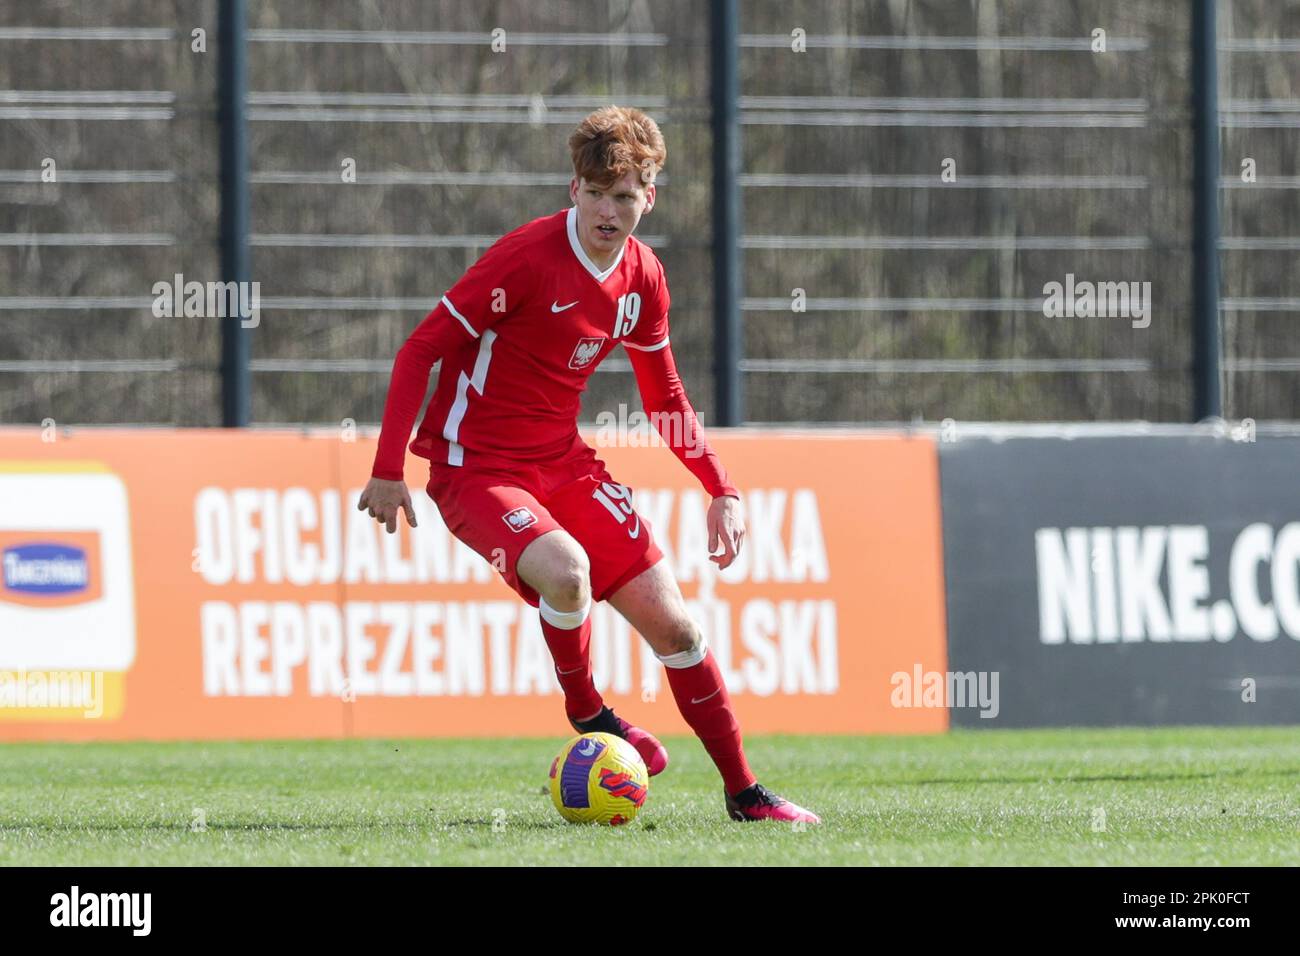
{"type": "Point", "coordinates": [913, 175]}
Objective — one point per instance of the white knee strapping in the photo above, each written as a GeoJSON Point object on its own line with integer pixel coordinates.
{"type": "Point", "coordinates": [565, 620]}
{"type": "Point", "coordinates": [685, 658]}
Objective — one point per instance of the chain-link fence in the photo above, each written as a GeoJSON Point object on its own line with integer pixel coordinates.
{"type": "Point", "coordinates": [915, 175]}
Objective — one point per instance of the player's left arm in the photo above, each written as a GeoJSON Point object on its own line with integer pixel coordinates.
{"type": "Point", "coordinates": [663, 397]}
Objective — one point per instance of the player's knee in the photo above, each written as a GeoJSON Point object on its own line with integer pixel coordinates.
{"type": "Point", "coordinates": [680, 638]}
{"type": "Point", "coordinates": [570, 593]}
{"type": "Point", "coordinates": [570, 584]}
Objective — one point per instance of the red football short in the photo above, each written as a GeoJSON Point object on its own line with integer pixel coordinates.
{"type": "Point", "coordinates": [499, 507]}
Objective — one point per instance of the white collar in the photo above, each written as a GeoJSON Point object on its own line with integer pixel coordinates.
{"type": "Point", "coordinates": [581, 253]}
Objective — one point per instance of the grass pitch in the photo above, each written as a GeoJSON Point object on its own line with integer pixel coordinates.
{"type": "Point", "coordinates": [1183, 796]}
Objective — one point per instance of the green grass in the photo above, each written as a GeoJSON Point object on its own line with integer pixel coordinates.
{"type": "Point", "coordinates": [1190, 796]}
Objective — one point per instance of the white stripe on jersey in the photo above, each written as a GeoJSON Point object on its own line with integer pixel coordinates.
{"type": "Point", "coordinates": [451, 431]}
{"type": "Point", "coordinates": [463, 321]}
{"type": "Point", "coordinates": [646, 348]}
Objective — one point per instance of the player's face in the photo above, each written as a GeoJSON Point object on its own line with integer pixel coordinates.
{"type": "Point", "coordinates": [606, 217]}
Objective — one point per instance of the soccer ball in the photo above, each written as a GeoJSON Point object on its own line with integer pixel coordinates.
{"type": "Point", "coordinates": [599, 778]}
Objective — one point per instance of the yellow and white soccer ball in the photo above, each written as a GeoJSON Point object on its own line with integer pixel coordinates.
{"type": "Point", "coordinates": [599, 778]}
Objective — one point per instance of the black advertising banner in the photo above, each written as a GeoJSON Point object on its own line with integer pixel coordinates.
{"type": "Point", "coordinates": [1143, 579]}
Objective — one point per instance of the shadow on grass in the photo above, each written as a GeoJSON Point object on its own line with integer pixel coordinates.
{"type": "Point", "coordinates": [422, 825]}
{"type": "Point", "coordinates": [512, 825]}
{"type": "Point", "coordinates": [1096, 778]}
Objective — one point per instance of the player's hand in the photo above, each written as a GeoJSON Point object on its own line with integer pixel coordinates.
{"type": "Point", "coordinates": [726, 525]}
{"type": "Point", "coordinates": [383, 499]}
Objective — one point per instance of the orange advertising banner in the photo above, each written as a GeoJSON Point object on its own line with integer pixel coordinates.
{"type": "Point", "coordinates": [193, 584]}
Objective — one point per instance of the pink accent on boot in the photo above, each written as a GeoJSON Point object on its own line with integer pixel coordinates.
{"type": "Point", "coordinates": [647, 745]}
{"type": "Point", "coordinates": [759, 803]}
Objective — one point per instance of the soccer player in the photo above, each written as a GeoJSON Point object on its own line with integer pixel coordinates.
{"type": "Point", "coordinates": [518, 337]}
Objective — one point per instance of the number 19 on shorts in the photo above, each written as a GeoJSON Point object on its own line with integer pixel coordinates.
{"type": "Point", "coordinates": [617, 500]}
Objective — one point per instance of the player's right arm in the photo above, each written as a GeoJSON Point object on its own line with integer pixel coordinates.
{"type": "Point", "coordinates": [386, 494]}
{"type": "Point", "coordinates": [494, 287]}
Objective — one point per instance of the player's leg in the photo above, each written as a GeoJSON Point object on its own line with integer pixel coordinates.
{"type": "Point", "coordinates": [556, 567]}
{"type": "Point", "coordinates": [508, 526]}
{"type": "Point", "coordinates": [598, 513]}
{"type": "Point", "coordinates": [652, 603]}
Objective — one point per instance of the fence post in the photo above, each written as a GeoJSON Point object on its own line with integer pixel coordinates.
{"type": "Point", "coordinates": [1207, 357]}
{"type": "Point", "coordinates": [727, 282]}
{"type": "Point", "coordinates": [232, 88]}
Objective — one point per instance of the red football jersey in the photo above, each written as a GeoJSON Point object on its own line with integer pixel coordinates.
{"type": "Point", "coordinates": [519, 334]}
{"type": "Point", "coordinates": [513, 389]}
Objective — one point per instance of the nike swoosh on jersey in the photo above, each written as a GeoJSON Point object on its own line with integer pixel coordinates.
{"type": "Point", "coordinates": [706, 697]}
{"type": "Point", "coordinates": [556, 307]}
{"type": "Point", "coordinates": [637, 530]}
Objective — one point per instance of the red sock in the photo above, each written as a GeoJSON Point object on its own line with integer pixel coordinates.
{"type": "Point", "coordinates": [568, 635]}
{"type": "Point", "coordinates": [703, 700]}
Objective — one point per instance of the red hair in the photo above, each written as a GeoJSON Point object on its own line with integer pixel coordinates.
{"type": "Point", "coordinates": [616, 140]}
